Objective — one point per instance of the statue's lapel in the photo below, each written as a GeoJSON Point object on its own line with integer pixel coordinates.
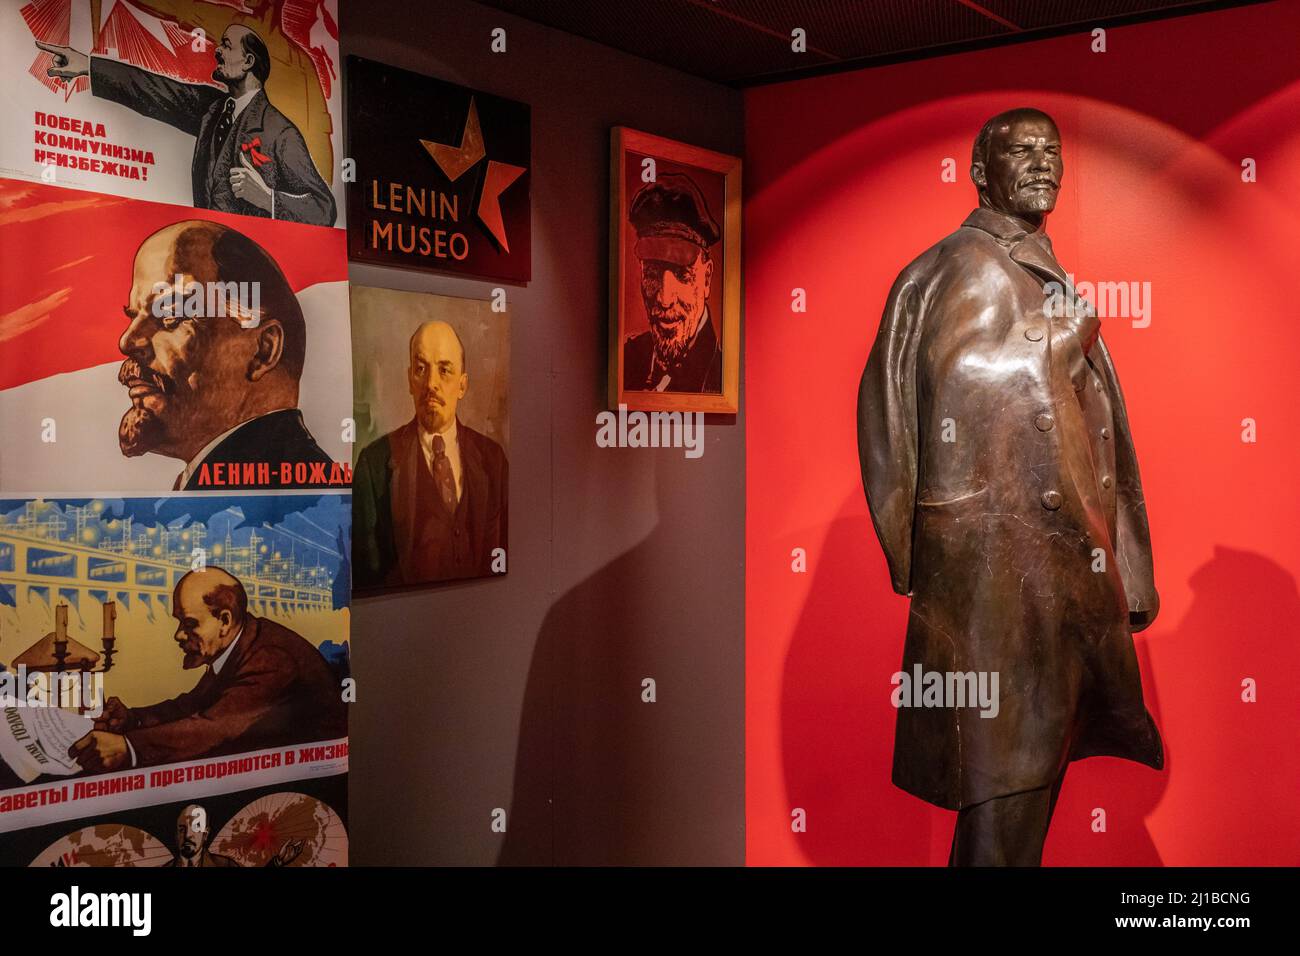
{"type": "Point", "coordinates": [1034, 257]}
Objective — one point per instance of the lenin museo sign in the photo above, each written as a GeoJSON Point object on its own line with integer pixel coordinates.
{"type": "Point", "coordinates": [442, 175]}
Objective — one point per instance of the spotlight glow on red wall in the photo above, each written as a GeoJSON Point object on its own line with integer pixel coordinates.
{"type": "Point", "coordinates": [844, 188]}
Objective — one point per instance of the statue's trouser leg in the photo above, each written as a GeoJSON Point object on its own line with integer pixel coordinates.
{"type": "Point", "coordinates": [1005, 831]}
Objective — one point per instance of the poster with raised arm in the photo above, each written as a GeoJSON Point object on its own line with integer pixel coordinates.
{"type": "Point", "coordinates": [234, 107]}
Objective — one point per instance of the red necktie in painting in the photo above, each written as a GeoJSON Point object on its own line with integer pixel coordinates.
{"type": "Point", "coordinates": [442, 475]}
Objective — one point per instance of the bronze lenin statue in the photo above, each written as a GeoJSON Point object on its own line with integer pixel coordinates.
{"type": "Point", "coordinates": [1003, 485]}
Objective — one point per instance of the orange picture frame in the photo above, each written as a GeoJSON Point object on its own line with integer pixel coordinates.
{"type": "Point", "coordinates": [711, 183]}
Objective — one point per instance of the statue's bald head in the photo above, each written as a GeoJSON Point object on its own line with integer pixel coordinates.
{"type": "Point", "coordinates": [210, 606]}
{"type": "Point", "coordinates": [1002, 124]}
{"type": "Point", "coordinates": [436, 376]}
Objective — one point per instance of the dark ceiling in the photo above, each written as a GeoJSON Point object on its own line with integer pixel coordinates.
{"type": "Point", "coordinates": [744, 42]}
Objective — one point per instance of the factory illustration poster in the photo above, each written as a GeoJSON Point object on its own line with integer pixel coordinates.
{"type": "Point", "coordinates": [227, 106]}
{"type": "Point", "coordinates": [173, 348]}
{"type": "Point", "coordinates": [196, 647]}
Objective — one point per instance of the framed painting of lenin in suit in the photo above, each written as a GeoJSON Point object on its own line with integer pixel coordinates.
{"type": "Point", "coordinates": [674, 276]}
{"type": "Point", "coordinates": [430, 486]}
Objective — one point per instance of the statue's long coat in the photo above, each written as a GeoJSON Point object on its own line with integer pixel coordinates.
{"type": "Point", "coordinates": [1003, 485]}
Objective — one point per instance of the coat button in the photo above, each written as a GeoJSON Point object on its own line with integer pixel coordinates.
{"type": "Point", "coordinates": [1034, 334]}
{"type": "Point", "coordinates": [1044, 423]}
{"type": "Point", "coordinates": [1105, 433]}
{"type": "Point", "coordinates": [1097, 382]}
{"type": "Point", "coordinates": [1105, 481]}
{"type": "Point", "coordinates": [1051, 500]}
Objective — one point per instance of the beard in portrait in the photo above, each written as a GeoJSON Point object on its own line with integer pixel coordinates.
{"type": "Point", "coordinates": [676, 238]}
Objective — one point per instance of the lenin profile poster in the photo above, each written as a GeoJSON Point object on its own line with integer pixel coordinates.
{"type": "Point", "coordinates": [431, 488]}
{"type": "Point", "coordinates": [128, 366]}
{"type": "Point", "coordinates": [234, 107]}
{"type": "Point", "coordinates": [196, 647]}
{"type": "Point", "coordinates": [443, 175]}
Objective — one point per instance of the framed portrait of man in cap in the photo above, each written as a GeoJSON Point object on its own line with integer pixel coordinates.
{"type": "Point", "coordinates": [674, 337]}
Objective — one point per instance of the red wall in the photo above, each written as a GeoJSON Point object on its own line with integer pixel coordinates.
{"type": "Point", "coordinates": [843, 189]}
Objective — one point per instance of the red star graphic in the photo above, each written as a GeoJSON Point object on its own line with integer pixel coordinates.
{"type": "Point", "coordinates": [263, 836]}
{"type": "Point", "coordinates": [499, 178]}
{"type": "Point", "coordinates": [455, 161]}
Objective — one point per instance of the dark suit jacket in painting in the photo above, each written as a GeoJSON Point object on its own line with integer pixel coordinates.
{"type": "Point", "coordinates": [279, 439]}
{"type": "Point", "coordinates": [700, 369]}
{"type": "Point", "coordinates": [301, 195]}
{"type": "Point", "coordinates": [274, 690]}
{"type": "Point", "coordinates": [402, 533]}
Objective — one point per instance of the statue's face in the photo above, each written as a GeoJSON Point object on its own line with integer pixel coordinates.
{"type": "Point", "coordinates": [1022, 172]}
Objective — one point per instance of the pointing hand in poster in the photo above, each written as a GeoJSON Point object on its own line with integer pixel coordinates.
{"type": "Point", "coordinates": [68, 63]}
{"type": "Point", "coordinates": [249, 157]}
{"type": "Point", "coordinates": [247, 184]}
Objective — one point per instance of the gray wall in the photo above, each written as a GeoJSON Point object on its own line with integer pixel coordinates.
{"type": "Point", "coordinates": [524, 693]}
